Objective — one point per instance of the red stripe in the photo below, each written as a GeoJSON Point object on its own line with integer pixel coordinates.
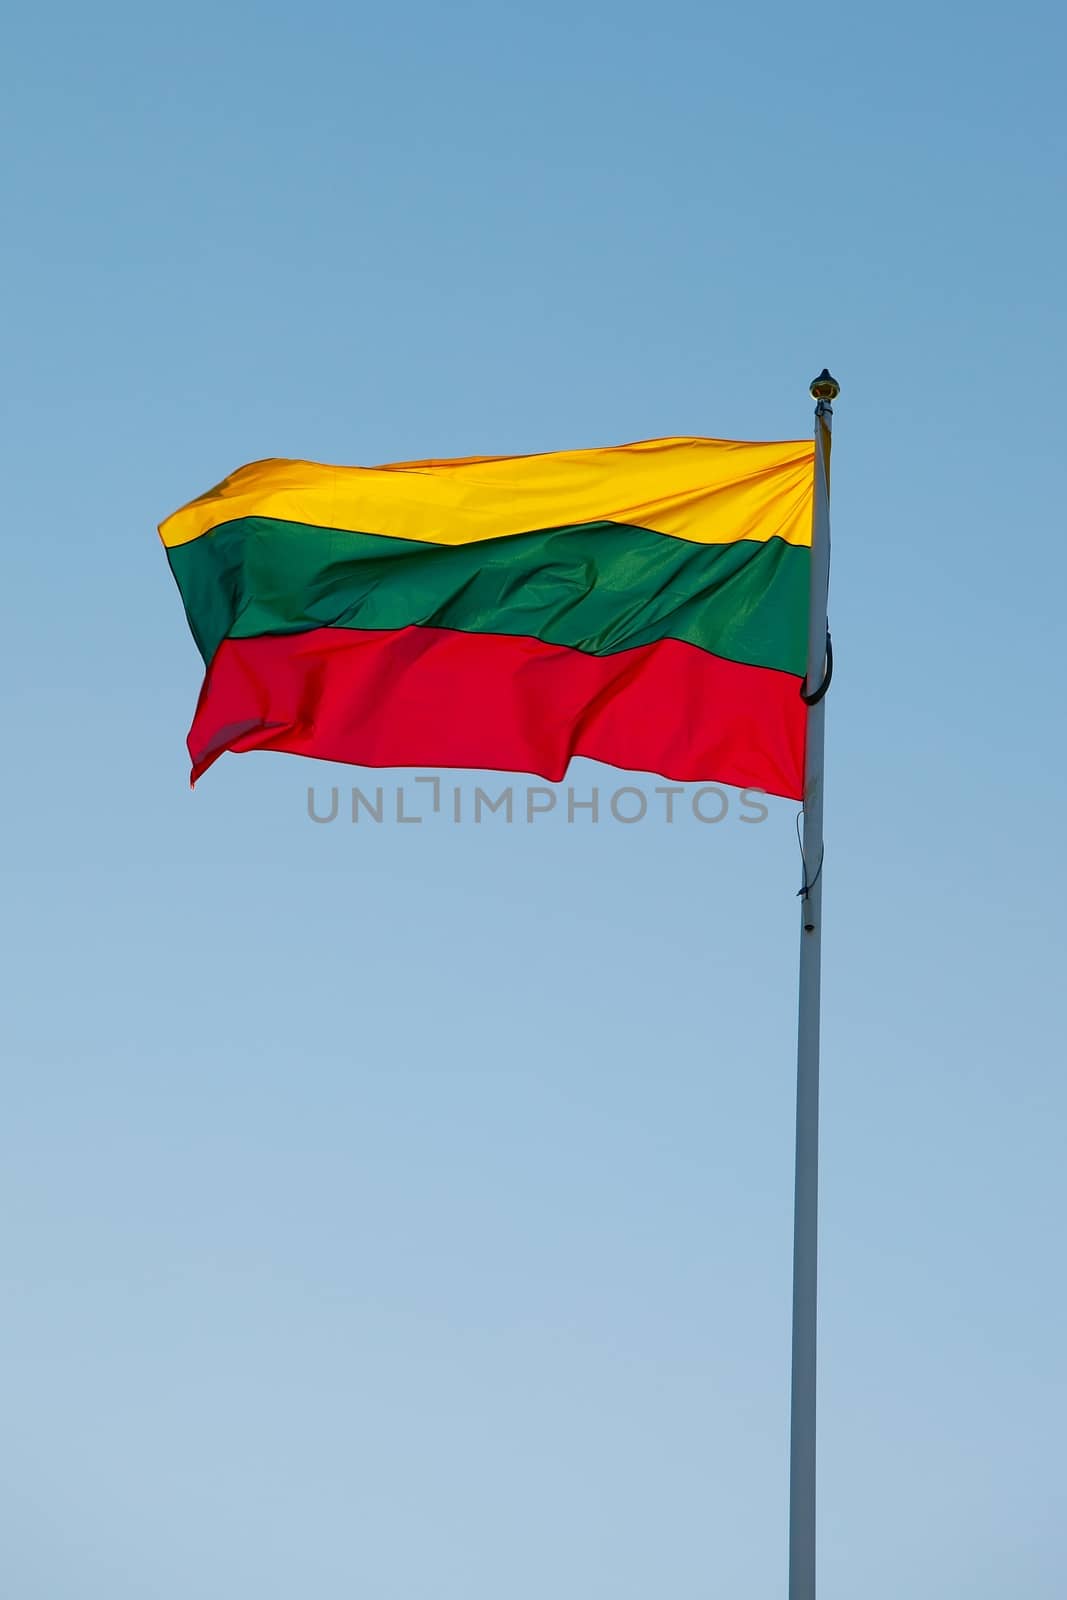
{"type": "Point", "coordinates": [439, 698]}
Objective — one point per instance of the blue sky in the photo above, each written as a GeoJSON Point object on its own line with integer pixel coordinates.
{"type": "Point", "coordinates": [404, 1212]}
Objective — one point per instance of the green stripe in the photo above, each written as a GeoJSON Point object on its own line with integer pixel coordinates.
{"type": "Point", "coordinates": [600, 587]}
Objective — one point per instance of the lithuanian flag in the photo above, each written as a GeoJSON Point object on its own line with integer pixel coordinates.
{"type": "Point", "coordinates": [645, 606]}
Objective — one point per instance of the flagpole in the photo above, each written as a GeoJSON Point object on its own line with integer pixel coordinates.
{"type": "Point", "coordinates": [824, 391]}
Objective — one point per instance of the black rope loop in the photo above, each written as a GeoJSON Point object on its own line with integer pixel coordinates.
{"type": "Point", "coordinates": [806, 887]}
{"type": "Point", "coordinates": [816, 695]}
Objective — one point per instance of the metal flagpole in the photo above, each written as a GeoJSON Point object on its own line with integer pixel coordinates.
{"type": "Point", "coordinates": [824, 391]}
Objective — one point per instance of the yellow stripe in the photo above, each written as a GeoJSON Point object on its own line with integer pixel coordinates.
{"type": "Point", "coordinates": [711, 491]}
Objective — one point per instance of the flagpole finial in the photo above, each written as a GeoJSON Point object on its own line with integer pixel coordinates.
{"type": "Point", "coordinates": [824, 387]}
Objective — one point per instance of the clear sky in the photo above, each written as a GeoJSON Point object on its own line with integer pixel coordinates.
{"type": "Point", "coordinates": [403, 1212]}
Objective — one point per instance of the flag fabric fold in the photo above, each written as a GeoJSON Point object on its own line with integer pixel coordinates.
{"type": "Point", "coordinates": [645, 606]}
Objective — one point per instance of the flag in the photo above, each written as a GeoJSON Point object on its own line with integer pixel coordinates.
{"type": "Point", "coordinates": [645, 606]}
